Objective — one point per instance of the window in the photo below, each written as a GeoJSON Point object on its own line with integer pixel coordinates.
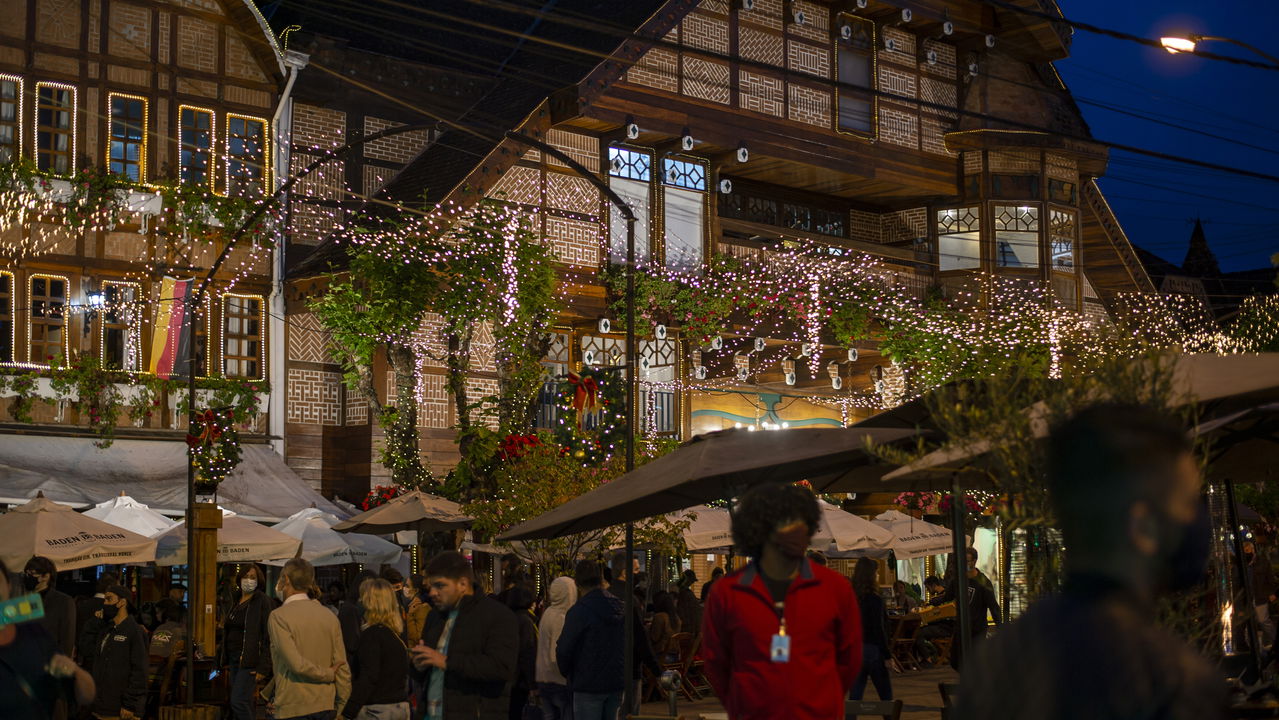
{"type": "Point", "coordinates": [658, 400]}
{"type": "Point", "coordinates": [1061, 227]}
{"type": "Point", "coordinates": [856, 67]}
{"type": "Point", "coordinates": [121, 337]}
{"type": "Point", "coordinates": [1016, 236]}
{"type": "Point", "coordinates": [46, 338]}
{"type": "Point", "coordinates": [246, 156]}
{"type": "Point", "coordinates": [630, 176]}
{"type": "Point", "coordinates": [556, 367]}
{"type": "Point", "coordinates": [242, 327]}
{"type": "Point", "coordinates": [6, 317]}
{"type": "Point", "coordinates": [55, 127]}
{"type": "Point", "coordinates": [127, 151]}
{"type": "Point", "coordinates": [10, 117]}
{"type": "Point", "coordinates": [959, 238]}
{"type": "Point", "coordinates": [196, 129]}
{"type": "Point", "coordinates": [684, 212]}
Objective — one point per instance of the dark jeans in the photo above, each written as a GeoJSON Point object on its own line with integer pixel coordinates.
{"type": "Point", "coordinates": [557, 701]}
{"type": "Point", "coordinates": [596, 706]}
{"type": "Point", "coordinates": [875, 669]}
{"type": "Point", "coordinates": [243, 686]}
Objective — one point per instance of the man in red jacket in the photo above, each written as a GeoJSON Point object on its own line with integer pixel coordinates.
{"type": "Point", "coordinates": [782, 636]}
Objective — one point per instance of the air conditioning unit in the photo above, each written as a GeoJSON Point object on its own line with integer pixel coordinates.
{"type": "Point", "coordinates": [605, 326]}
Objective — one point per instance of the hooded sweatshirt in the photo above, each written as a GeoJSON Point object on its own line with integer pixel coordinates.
{"type": "Point", "coordinates": [563, 594]}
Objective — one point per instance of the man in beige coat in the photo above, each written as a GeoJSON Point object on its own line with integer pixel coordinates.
{"type": "Point", "coordinates": [311, 678]}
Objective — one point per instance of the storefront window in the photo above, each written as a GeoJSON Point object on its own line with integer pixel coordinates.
{"type": "Point", "coordinates": [1016, 236]}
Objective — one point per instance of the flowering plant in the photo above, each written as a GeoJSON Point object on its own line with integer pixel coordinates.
{"type": "Point", "coordinates": [917, 501]}
{"type": "Point", "coordinates": [515, 446]}
{"type": "Point", "coordinates": [971, 504]}
{"type": "Point", "coordinates": [381, 495]}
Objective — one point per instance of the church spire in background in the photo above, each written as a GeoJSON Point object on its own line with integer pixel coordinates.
{"type": "Point", "coordinates": [1200, 262]}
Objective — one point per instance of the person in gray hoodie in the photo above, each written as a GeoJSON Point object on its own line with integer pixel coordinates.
{"type": "Point", "coordinates": [552, 687]}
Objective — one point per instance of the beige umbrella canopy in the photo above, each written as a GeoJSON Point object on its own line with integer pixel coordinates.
{"type": "Point", "coordinates": [123, 511]}
{"type": "Point", "coordinates": [414, 510]}
{"type": "Point", "coordinates": [842, 531]}
{"type": "Point", "coordinates": [69, 539]}
{"type": "Point", "coordinates": [239, 540]}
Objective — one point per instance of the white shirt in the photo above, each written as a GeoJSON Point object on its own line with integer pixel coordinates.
{"type": "Point", "coordinates": [295, 596]}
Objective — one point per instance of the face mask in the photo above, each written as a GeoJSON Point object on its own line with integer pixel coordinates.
{"type": "Point", "coordinates": [248, 585]}
{"type": "Point", "coordinates": [792, 540]}
{"type": "Point", "coordinates": [1186, 556]}
{"type": "Point", "coordinates": [30, 582]}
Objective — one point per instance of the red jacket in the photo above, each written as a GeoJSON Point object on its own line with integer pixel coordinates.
{"type": "Point", "coordinates": [825, 628]}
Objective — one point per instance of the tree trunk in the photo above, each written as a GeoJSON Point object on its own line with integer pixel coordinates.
{"type": "Point", "coordinates": [403, 456]}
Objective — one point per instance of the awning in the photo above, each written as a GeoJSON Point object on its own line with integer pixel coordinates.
{"type": "Point", "coordinates": [154, 472]}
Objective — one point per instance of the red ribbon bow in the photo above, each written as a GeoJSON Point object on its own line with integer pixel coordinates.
{"type": "Point", "coordinates": [586, 392]}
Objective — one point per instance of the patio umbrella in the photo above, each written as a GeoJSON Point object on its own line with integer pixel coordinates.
{"type": "Point", "coordinates": [125, 512]}
{"type": "Point", "coordinates": [322, 545]}
{"type": "Point", "coordinates": [712, 530]}
{"type": "Point", "coordinates": [239, 540]}
{"type": "Point", "coordinates": [913, 537]}
{"type": "Point", "coordinates": [71, 540]}
{"type": "Point", "coordinates": [414, 510]}
{"type": "Point", "coordinates": [842, 531]}
{"type": "Point", "coordinates": [714, 466]}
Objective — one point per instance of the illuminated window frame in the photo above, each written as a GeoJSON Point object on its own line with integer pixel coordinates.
{"type": "Point", "coordinates": [134, 329]}
{"type": "Point", "coordinates": [66, 324]}
{"type": "Point", "coordinates": [17, 120]}
{"type": "Point", "coordinates": [873, 53]}
{"type": "Point", "coordinates": [266, 150]}
{"type": "Point", "coordinates": [262, 339]}
{"type": "Point", "coordinates": [146, 120]}
{"type": "Point", "coordinates": [684, 176]}
{"type": "Point", "coordinates": [13, 321]}
{"type": "Point", "coordinates": [75, 118]}
{"type": "Point", "coordinates": [211, 170]}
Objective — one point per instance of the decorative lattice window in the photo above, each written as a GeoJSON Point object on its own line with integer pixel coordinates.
{"type": "Point", "coordinates": [46, 330]}
{"type": "Point", "coordinates": [248, 171]}
{"type": "Point", "coordinates": [121, 336]}
{"type": "Point", "coordinates": [55, 127]}
{"type": "Point", "coordinates": [1061, 230]}
{"type": "Point", "coordinates": [658, 397]}
{"type": "Point", "coordinates": [1016, 236]}
{"type": "Point", "coordinates": [10, 117]}
{"type": "Point", "coordinates": [555, 366]}
{"type": "Point", "coordinates": [687, 174]}
{"type": "Point", "coordinates": [6, 318]}
{"type": "Point", "coordinates": [855, 72]}
{"type": "Point", "coordinates": [683, 212]}
{"type": "Point", "coordinates": [630, 176]}
{"type": "Point", "coordinates": [127, 141]}
{"type": "Point", "coordinates": [243, 331]}
{"type": "Point", "coordinates": [195, 127]}
{"type": "Point", "coordinates": [630, 164]}
{"type": "Point", "coordinates": [959, 238]}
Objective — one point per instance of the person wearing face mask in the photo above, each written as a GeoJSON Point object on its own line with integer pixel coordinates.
{"type": "Point", "coordinates": [59, 609]}
{"type": "Point", "coordinates": [781, 637]}
{"type": "Point", "coordinates": [120, 666]}
{"type": "Point", "coordinates": [247, 645]}
{"type": "Point", "coordinates": [1126, 492]}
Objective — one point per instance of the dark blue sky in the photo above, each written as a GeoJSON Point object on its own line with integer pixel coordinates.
{"type": "Point", "coordinates": [1156, 200]}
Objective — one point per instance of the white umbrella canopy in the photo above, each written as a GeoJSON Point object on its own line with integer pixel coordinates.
{"type": "Point", "coordinates": [712, 530]}
{"type": "Point", "coordinates": [913, 537]}
{"type": "Point", "coordinates": [125, 512]}
{"type": "Point", "coordinates": [71, 540]}
{"type": "Point", "coordinates": [322, 545]}
{"type": "Point", "coordinates": [239, 540]}
{"type": "Point", "coordinates": [843, 531]}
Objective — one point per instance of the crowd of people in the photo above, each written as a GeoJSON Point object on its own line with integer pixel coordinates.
{"type": "Point", "coordinates": [781, 637]}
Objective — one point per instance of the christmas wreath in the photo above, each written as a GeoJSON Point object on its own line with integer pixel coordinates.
{"type": "Point", "coordinates": [215, 446]}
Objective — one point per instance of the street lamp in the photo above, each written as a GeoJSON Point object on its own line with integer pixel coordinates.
{"type": "Point", "coordinates": [1179, 44]}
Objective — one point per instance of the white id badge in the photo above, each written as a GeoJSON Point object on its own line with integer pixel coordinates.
{"type": "Point", "coordinates": [779, 652]}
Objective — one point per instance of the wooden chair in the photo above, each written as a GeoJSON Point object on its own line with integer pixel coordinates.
{"type": "Point", "coordinates": [692, 670]}
{"type": "Point", "coordinates": [887, 709]}
{"type": "Point", "coordinates": [943, 649]}
{"type": "Point", "coordinates": [902, 645]}
{"type": "Point", "coordinates": [948, 692]}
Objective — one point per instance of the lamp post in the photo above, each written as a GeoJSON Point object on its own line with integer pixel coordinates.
{"type": "Point", "coordinates": [1179, 44]}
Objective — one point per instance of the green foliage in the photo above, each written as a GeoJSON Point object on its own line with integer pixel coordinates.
{"type": "Point", "coordinates": [215, 445]}
{"type": "Point", "coordinates": [668, 297]}
{"type": "Point", "coordinates": [24, 390]}
{"type": "Point", "coordinates": [200, 213]}
{"type": "Point", "coordinates": [95, 394]}
{"type": "Point", "coordinates": [1256, 326]}
{"type": "Point", "coordinates": [97, 199]}
{"type": "Point", "coordinates": [591, 423]}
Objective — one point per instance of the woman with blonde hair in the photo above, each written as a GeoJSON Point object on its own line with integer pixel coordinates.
{"type": "Point", "coordinates": [381, 661]}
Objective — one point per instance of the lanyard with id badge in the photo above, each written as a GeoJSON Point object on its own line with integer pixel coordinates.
{"type": "Point", "coordinates": [779, 650]}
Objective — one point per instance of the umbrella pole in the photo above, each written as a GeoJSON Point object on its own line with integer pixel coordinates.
{"type": "Point", "coordinates": [193, 572]}
{"type": "Point", "coordinates": [628, 645]}
{"type": "Point", "coordinates": [963, 641]}
{"type": "Point", "coordinates": [1254, 631]}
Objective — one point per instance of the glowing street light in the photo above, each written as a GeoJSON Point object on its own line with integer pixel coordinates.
{"type": "Point", "coordinates": [1176, 45]}
{"type": "Point", "coordinates": [1179, 44]}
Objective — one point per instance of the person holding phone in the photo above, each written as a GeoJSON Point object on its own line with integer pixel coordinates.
{"type": "Point", "coordinates": [34, 675]}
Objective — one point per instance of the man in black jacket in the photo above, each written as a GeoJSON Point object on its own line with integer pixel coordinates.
{"type": "Point", "coordinates": [591, 649]}
{"type": "Point", "coordinates": [59, 609]}
{"type": "Point", "coordinates": [89, 621]}
{"type": "Point", "coordinates": [467, 656]}
{"type": "Point", "coordinates": [120, 666]}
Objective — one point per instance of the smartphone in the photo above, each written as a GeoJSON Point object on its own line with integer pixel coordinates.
{"type": "Point", "coordinates": [213, 674]}
{"type": "Point", "coordinates": [23, 608]}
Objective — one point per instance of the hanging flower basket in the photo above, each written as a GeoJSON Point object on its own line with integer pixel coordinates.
{"type": "Point", "coordinates": [381, 495]}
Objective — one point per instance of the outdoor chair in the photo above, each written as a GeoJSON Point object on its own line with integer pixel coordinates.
{"type": "Point", "coordinates": [887, 709]}
{"type": "Point", "coordinates": [902, 645]}
{"type": "Point", "coordinates": [691, 670]}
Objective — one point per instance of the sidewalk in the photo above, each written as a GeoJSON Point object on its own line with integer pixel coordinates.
{"type": "Point", "coordinates": [917, 690]}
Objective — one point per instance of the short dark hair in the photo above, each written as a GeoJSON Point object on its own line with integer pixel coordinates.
{"type": "Point", "coordinates": [449, 564]}
{"type": "Point", "coordinates": [174, 613]}
{"type": "Point", "coordinates": [717, 572]}
{"type": "Point", "coordinates": [119, 591]}
{"type": "Point", "coordinates": [864, 573]}
{"type": "Point", "coordinates": [587, 574]}
{"type": "Point", "coordinates": [933, 581]}
{"type": "Point", "coordinates": [257, 574]}
{"type": "Point", "coordinates": [764, 506]}
{"type": "Point", "coordinates": [1121, 452]}
{"type": "Point", "coordinates": [392, 575]}
{"type": "Point", "coordinates": [41, 565]}
{"type": "Point", "coordinates": [106, 580]}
